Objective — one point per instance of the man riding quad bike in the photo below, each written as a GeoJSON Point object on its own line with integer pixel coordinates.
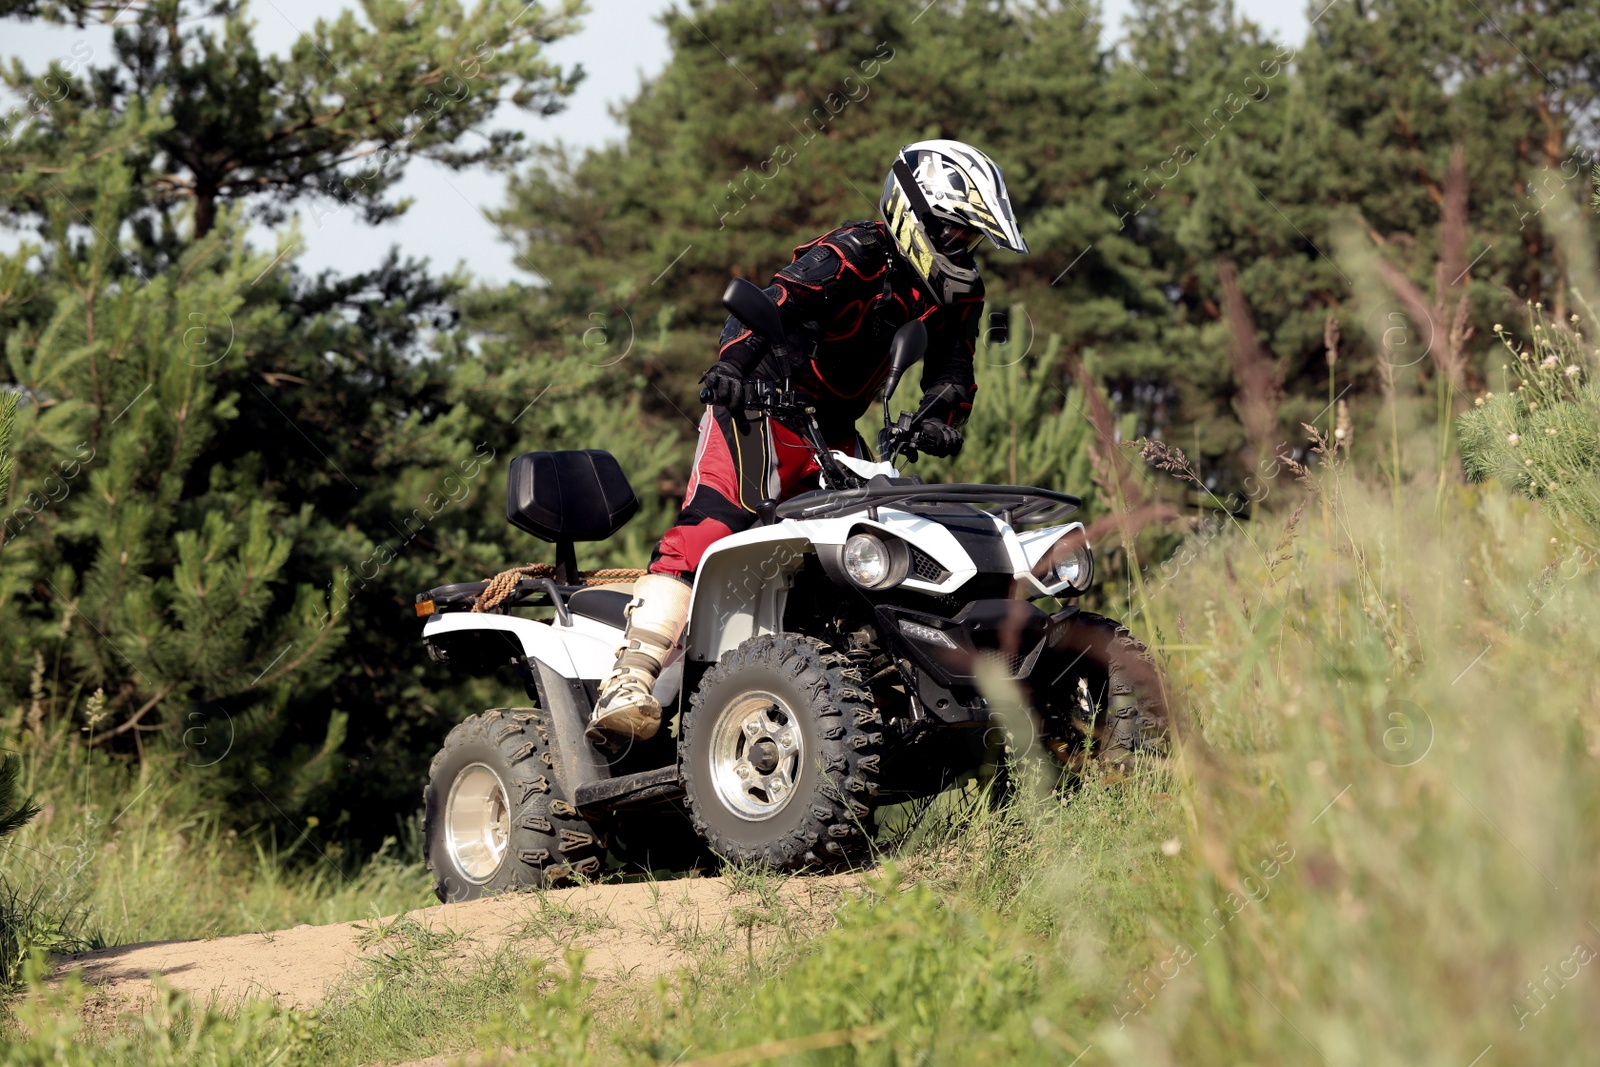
{"type": "Point", "coordinates": [816, 628]}
{"type": "Point", "coordinates": [840, 301]}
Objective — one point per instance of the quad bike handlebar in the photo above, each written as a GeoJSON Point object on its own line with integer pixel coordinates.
{"type": "Point", "coordinates": [797, 408]}
{"type": "Point", "coordinates": [903, 437]}
{"type": "Point", "coordinates": [848, 490]}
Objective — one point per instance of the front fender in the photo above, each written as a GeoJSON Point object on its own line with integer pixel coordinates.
{"type": "Point", "coordinates": [742, 588]}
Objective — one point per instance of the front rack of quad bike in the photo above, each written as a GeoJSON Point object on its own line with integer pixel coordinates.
{"type": "Point", "coordinates": [1017, 505]}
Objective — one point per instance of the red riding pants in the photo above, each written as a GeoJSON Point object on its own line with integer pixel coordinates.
{"type": "Point", "coordinates": [738, 464]}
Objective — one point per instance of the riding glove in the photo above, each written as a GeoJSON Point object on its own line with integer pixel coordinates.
{"type": "Point", "coordinates": [724, 385]}
{"type": "Point", "coordinates": [940, 438]}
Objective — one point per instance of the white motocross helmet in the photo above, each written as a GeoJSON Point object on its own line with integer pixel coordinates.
{"type": "Point", "coordinates": [940, 200]}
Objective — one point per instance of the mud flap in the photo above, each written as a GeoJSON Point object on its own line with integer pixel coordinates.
{"type": "Point", "coordinates": [566, 707]}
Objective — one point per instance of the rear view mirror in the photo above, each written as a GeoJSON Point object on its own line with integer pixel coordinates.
{"type": "Point", "coordinates": [754, 308]}
{"type": "Point", "coordinates": [905, 351]}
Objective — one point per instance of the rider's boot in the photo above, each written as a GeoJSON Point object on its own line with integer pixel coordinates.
{"type": "Point", "coordinates": [626, 708]}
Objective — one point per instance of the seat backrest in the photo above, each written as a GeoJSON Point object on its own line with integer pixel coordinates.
{"type": "Point", "coordinates": [569, 496]}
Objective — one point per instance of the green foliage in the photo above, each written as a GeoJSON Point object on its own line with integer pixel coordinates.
{"type": "Point", "coordinates": [136, 563]}
{"type": "Point", "coordinates": [220, 123]}
{"type": "Point", "coordinates": [1541, 435]}
{"type": "Point", "coordinates": [8, 416]}
{"type": "Point", "coordinates": [231, 479]}
{"type": "Point", "coordinates": [552, 1021]}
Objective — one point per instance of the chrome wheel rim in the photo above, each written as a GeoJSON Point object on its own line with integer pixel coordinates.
{"type": "Point", "coordinates": [477, 822]}
{"type": "Point", "coordinates": [757, 753]}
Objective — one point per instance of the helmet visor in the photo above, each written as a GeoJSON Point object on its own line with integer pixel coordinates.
{"type": "Point", "coordinates": [951, 238]}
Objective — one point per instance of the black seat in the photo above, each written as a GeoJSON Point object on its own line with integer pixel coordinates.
{"type": "Point", "coordinates": [567, 497]}
{"type": "Point", "coordinates": [601, 605]}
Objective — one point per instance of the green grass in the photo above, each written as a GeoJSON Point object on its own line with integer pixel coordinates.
{"type": "Point", "coordinates": [1375, 845]}
{"type": "Point", "coordinates": [119, 856]}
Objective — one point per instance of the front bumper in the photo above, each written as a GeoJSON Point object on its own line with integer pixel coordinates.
{"type": "Point", "coordinates": [951, 650]}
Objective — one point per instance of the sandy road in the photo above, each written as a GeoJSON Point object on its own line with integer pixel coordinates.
{"type": "Point", "coordinates": [629, 931]}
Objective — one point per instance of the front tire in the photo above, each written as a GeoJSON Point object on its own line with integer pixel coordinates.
{"type": "Point", "coordinates": [496, 814]}
{"type": "Point", "coordinates": [781, 750]}
{"type": "Point", "coordinates": [1115, 705]}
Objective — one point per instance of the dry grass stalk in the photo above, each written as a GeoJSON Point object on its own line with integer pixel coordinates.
{"type": "Point", "coordinates": [1258, 375]}
{"type": "Point", "coordinates": [1112, 466]}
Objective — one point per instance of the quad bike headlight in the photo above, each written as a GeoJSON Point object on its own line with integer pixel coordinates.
{"type": "Point", "coordinates": [874, 563]}
{"type": "Point", "coordinates": [1068, 562]}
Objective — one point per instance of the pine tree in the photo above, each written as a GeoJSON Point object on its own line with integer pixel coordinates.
{"type": "Point", "coordinates": [1204, 101]}
{"type": "Point", "coordinates": [1353, 133]}
{"type": "Point", "coordinates": [336, 121]}
{"type": "Point", "coordinates": [142, 571]}
{"type": "Point", "coordinates": [1514, 82]}
{"type": "Point", "coordinates": [212, 449]}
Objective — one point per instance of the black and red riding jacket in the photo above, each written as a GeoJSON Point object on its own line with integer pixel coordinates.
{"type": "Point", "coordinates": [841, 300]}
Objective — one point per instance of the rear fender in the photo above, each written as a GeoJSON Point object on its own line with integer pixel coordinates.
{"type": "Point", "coordinates": [583, 650]}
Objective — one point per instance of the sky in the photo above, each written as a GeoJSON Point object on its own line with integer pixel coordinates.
{"type": "Point", "coordinates": [619, 46]}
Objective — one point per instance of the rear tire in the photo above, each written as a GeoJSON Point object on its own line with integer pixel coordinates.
{"type": "Point", "coordinates": [496, 814]}
{"type": "Point", "coordinates": [808, 799]}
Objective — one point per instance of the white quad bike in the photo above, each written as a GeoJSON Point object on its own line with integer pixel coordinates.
{"type": "Point", "coordinates": [830, 666]}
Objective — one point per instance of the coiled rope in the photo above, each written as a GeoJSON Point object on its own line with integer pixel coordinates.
{"type": "Point", "coordinates": [502, 584]}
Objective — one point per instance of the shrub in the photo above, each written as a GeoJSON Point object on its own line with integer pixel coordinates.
{"type": "Point", "coordinates": [1541, 433]}
{"type": "Point", "coordinates": [20, 918]}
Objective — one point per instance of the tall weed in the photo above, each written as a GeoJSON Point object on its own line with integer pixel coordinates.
{"type": "Point", "coordinates": [1540, 433]}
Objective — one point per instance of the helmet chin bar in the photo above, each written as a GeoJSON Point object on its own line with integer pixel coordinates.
{"type": "Point", "coordinates": [948, 282]}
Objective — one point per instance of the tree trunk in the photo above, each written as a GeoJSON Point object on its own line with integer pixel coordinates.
{"type": "Point", "coordinates": [205, 212]}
